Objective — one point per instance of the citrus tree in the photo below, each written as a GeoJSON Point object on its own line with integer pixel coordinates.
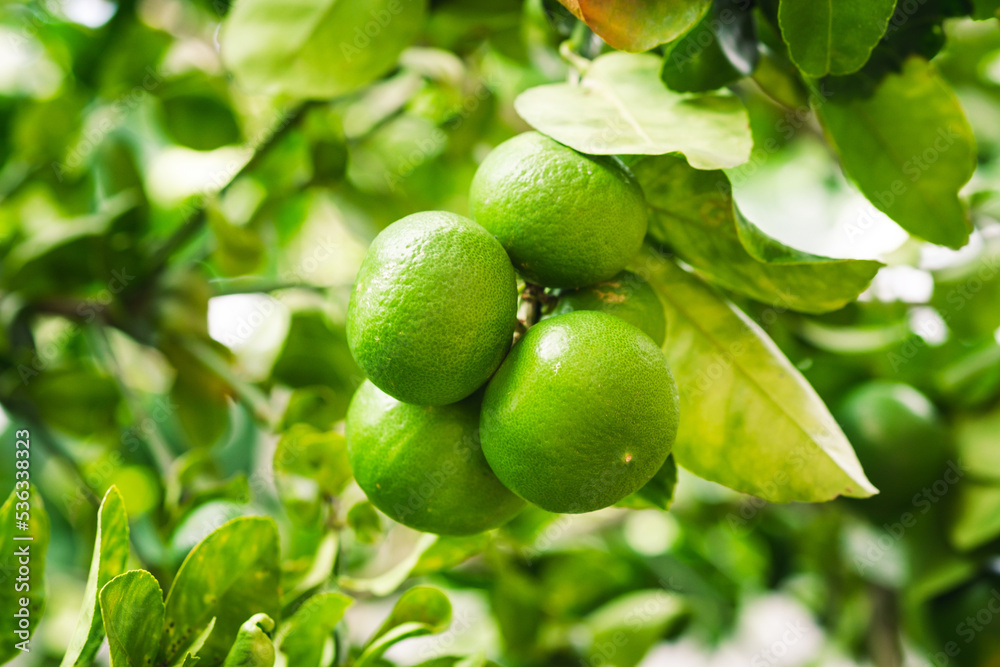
{"type": "Point", "coordinates": [518, 332]}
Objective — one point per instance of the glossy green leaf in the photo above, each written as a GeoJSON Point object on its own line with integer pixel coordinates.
{"type": "Point", "coordinates": [316, 50]}
{"type": "Point", "coordinates": [419, 611]}
{"type": "Point", "coordinates": [231, 575]}
{"type": "Point", "coordinates": [629, 26]}
{"type": "Point", "coordinates": [622, 107]}
{"type": "Point", "coordinates": [657, 493]}
{"type": "Point", "coordinates": [108, 561]}
{"type": "Point", "coordinates": [833, 36]}
{"type": "Point", "coordinates": [311, 626]}
{"type": "Point", "coordinates": [750, 420]}
{"type": "Point", "coordinates": [696, 61]}
{"type": "Point", "coordinates": [694, 213]}
{"type": "Point", "coordinates": [12, 551]}
{"type": "Point", "coordinates": [132, 607]}
{"type": "Point", "coordinates": [253, 646]}
{"type": "Point", "coordinates": [909, 149]}
{"type": "Point", "coordinates": [624, 630]}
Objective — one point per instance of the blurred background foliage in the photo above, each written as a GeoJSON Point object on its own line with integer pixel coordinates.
{"type": "Point", "coordinates": [177, 255]}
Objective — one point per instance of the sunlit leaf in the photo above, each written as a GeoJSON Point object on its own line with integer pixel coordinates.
{"type": "Point", "coordinates": [694, 213]}
{"type": "Point", "coordinates": [925, 150]}
{"type": "Point", "coordinates": [231, 575]}
{"type": "Point", "coordinates": [833, 37]}
{"type": "Point", "coordinates": [419, 611]}
{"type": "Point", "coordinates": [750, 421]}
{"type": "Point", "coordinates": [657, 492]}
{"type": "Point", "coordinates": [253, 646]}
{"type": "Point", "coordinates": [108, 561]}
{"type": "Point", "coordinates": [316, 50]}
{"type": "Point", "coordinates": [132, 607]}
{"type": "Point", "coordinates": [622, 107]}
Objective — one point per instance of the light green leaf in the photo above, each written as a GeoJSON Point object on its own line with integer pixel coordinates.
{"type": "Point", "coordinates": [977, 515]}
{"type": "Point", "coordinates": [833, 36]}
{"type": "Point", "coordinates": [231, 575]}
{"type": "Point", "coordinates": [631, 26]}
{"type": "Point", "coordinates": [132, 607]}
{"type": "Point", "coordinates": [110, 556]}
{"type": "Point", "coordinates": [694, 213]}
{"type": "Point", "coordinates": [309, 466]}
{"type": "Point", "coordinates": [12, 548]}
{"type": "Point", "coordinates": [631, 625]}
{"type": "Point", "coordinates": [749, 420]}
{"type": "Point", "coordinates": [393, 578]}
{"type": "Point", "coordinates": [909, 149]}
{"type": "Point", "coordinates": [622, 107]}
{"type": "Point", "coordinates": [419, 611]}
{"type": "Point", "coordinates": [657, 493]}
{"type": "Point", "coordinates": [253, 646]}
{"type": "Point", "coordinates": [316, 48]}
{"type": "Point", "coordinates": [309, 628]}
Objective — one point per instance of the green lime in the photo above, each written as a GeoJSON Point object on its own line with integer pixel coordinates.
{"type": "Point", "coordinates": [627, 296]}
{"type": "Point", "coordinates": [423, 465]}
{"type": "Point", "coordinates": [566, 219]}
{"type": "Point", "coordinates": [900, 439]}
{"type": "Point", "coordinates": [582, 413]}
{"type": "Point", "coordinates": [433, 309]}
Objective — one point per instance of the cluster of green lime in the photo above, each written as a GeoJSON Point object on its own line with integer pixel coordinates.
{"type": "Point", "coordinates": [454, 429]}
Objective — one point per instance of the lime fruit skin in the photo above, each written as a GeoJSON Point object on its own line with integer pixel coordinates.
{"type": "Point", "coordinates": [901, 440]}
{"type": "Point", "coordinates": [433, 309]}
{"type": "Point", "coordinates": [628, 296]}
{"type": "Point", "coordinates": [566, 219]}
{"type": "Point", "coordinates": [583, 412]}
{"type": "Point", "coordinates": [423, 465]}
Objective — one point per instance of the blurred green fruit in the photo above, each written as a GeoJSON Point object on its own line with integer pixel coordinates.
{"type": "Point", "coordinates": [901, 441]}
{"type": "Point", "coordinates": [433, 309]}
{"type": "Point", "coordinates": [566, 219]}
{"type": "Point", "coordinates": [627, 296]}
{"type": "Point", "coordinates": [582, 413]}
{"type": "Point", "coordinates": [423, 465]}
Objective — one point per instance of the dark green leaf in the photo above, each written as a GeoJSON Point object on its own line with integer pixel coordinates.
{"type": "Point", "coordinates": [696, 63]}
{"type": "Point", "coordinates": [622, 107]}
{"type": "Point", "coordinates": [909, 149]}
{"type": "Point", "coordinates": [311, 626]}
{"type": "Point", "coordinates": [110, 556]}
{"type": "Point", "coordinates": [231, 575]}
{"type": "Point", "coordinates": [253, 646]}
{"type": "Point", "coordinates": [657, 493]}
{"type": "Point", "coordinates": [12, 556]}
{"type": "Point", "coordinates": [201, 122]}
{"type": "Point", "coordinates": [316, 49]}
{"type": "Point", "coordinates": [132, 607]}
{"type": "Point", "coordinates": [694, 213]}
{"type": "Point", "coordinates": [750, 421]}
{"type": "Point", "coordinates": [628, 26]}
{"type": "Point", "coordinates": [833, 37]}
